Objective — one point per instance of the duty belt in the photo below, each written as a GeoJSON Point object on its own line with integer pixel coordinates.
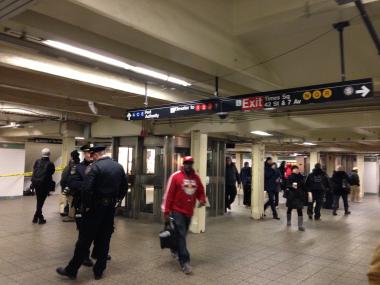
{"type": "Point", "coordinates": [105, 201]}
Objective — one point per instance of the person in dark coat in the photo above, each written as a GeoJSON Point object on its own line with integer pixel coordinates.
{"type": "Point", "coordinates": [341, 186]}
{"type": "Point", "coordinates": [246, 181]}
{"type": "Point", "coordinates": [105, 184]}
{"type": "Point", "coordinates": [355, 185]}
{"type": "Point", "coordinates": [270, 185]}
{"type": "Point", "coordinates": [317, 183]}
{"type": "Point", "coordinates": [70, 170]}
{"type": "Point", "coordinates": [278, 185]}
{"type": "Point", "coordinates": [295, 196]}
{"type": "Point", "coordinates": [42, 180]}
{"type": "Point", "coordinates": [282, 173]}
{"type": "Point", "coordinates": [231, 178]}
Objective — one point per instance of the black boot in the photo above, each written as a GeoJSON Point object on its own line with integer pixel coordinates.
{"type": "Point", "coordinates": [300, 224]}
{"type": "Point", "coordinates": [35, 220]}
{"type": "Point", "coordinates": [88, 262]}
{"type": "Point", "coordinates": [63, 272]}
{"type": "Point", "coordinates": [41, 220]}
{"type": "Point", "coordinates": [288, 220]}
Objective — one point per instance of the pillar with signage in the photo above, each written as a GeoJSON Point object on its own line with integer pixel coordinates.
{"type": "Point", "coordinates": [68, 145]}
{"type": "Point", "coordinates": [257, 196]}
{"type": "Point", "coordinates": [330, 164]}
{"type": "Point", "coordinates": [314, 159]}
{"type": "Point", "coordinates": [199, 153]}
{"type": "Point", "coordinates": [360, 166]}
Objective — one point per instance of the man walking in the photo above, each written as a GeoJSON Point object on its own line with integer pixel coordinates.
{"type": "Point", "coordinates": [231, 178]}
{"type": "Point", "coordinates": [42, 180]}
{"type": "Point", "coordinates": [270, 185]}
{"type": "Point", "coordinates": [183, 189]}
{"type": "Point", "coordinates": [355, 186]}
{"type": "Point", "coordinates": [105, 184]}
{"type": "Point", "coordinates": [342, 187]}
{"type": "Point", "coordinates": [246, 181]}
{"type": "Point", "coordinates": [317, 183]}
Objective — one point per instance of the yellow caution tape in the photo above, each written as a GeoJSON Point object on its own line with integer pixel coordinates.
{"type": "Point", "coordinates": [28, 174]}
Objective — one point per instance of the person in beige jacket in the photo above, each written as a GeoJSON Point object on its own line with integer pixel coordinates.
{"type": "Point", "coordinates": [374, 268]}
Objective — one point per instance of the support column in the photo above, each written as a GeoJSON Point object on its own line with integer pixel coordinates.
{"type": "Point", "coordinates": [199, 153]}
{"type": "Point", "coordinates": [330, 164]}
{"type": "Point", "coordinates": [239, 159]}
{"type": "Point", "coordinates": [275, 158]}
{"type": "Point", "coordinates": [360, 166]}
{"type": "Point", "coordinates": [68, 145]}
{"type": "Point", "coordinates": [257, 196]}
{"type": "Point", "coordinates": [314, 159]}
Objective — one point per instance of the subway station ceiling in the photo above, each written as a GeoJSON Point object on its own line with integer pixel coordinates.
{"type": "Point", "coordinates": [177, 48]}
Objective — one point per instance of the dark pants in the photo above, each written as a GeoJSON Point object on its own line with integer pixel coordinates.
{"type": "Point", "coordinates": [230, 195]}
{"type": "Point", "coordinates": [182, 224]}
{"type": "Point", "coordinates": [96, 226]}
{"type": "Point", "coordinates": [247, 194]}
{"type": "Point", "coordinates": [41, 195]}
{"type": "Point", "coordinates": [299, 212]}
{"type": "Point", "coordinates": [336, 201]}
{"type": "Point", "coordinates": [271, 203]}
{"type": "Point", "coordinates": [318, 199]}
{"type": "Point", "coordinates": [276, 198]}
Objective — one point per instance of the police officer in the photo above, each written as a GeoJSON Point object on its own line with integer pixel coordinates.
{"type": "Point", "coordinates": [105, 184]}
{"type": "Point", "coordinates": [75, 182]}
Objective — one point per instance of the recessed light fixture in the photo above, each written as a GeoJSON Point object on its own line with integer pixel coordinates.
{"type": "Point", "coordinates": [308, 143]}
{"type": "Point", "coordinates": [114, 62]}
{"type": "Point", "coordinates": [261, 133]}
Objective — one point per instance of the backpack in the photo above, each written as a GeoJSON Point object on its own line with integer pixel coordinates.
{"type": "Point", "coordinates": [40, 172]}
{"type": "Point", "coordinates": [318, 182]}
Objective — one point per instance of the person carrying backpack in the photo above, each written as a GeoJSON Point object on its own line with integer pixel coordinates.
{"type": "Point", "coordinates": [42, 180]}
{"type": "Point", "coordinates": [317, 183]}
{"type": "Point", "coordinates": [342, 188]}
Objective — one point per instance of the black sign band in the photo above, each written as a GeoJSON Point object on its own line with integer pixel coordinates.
{"type": "Point", "coordinates": [324, 93]}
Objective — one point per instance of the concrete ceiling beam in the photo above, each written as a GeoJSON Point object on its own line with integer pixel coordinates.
{"type": "Point", "coordinates": [78, 109]}
{"type": "Point", "coordinates": [168, 31]}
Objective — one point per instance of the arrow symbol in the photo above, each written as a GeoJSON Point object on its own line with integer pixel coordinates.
{"type": "Point", "coordinates": [129, 116]}
{"type": "Point", "coordinates": [363, 91]}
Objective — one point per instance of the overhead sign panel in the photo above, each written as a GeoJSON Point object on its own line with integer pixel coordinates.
{"type": "Point", "coordinates": [208, 106]}
{"type": "Point", "coordinates": [333, 92]}
{"type": "Point", "coordinates": [316, 94]}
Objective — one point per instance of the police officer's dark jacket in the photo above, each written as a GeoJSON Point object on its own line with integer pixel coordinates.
{"type": "Point", "coordinates": [105, 179]}
{"type": "Point", "coordinates": [76, 181]}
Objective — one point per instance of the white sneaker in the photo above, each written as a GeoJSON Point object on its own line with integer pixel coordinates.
{"type": "Point", "coordinates": [186, 268]}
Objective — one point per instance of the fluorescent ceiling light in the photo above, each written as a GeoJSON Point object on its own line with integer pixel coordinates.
{"type": "Point", "coordinates": [308, 143]}
{"type": "Point", "coordinates": [74, 74]}
{"type": "Point", "coordinates": [80, 138]}
{"type": "Point", "coordinates": [11, 125]}
{"type": "Point", "coordinates": [261, 133]}
{"type": "Point", "coordinates": [114, 62]}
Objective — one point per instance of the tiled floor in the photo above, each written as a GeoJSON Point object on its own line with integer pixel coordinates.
{"type": "Point", "coordinates": [235, 249]}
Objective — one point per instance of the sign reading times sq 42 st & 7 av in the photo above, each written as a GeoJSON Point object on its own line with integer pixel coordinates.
{"type": "Point", "coordinates": [316, 94]}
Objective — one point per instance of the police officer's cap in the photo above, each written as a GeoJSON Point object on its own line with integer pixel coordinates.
{"type": "Point", "coordinates": [85, 148]}
{"type": "Point", "coordinates": [97, 148]}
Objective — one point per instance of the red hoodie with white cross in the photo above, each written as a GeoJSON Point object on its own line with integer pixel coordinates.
{"type": "Point", "coordinates": [182, 192]}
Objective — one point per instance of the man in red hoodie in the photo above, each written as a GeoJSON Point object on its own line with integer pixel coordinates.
{"type": "Point", "coordinates": [183, 189]}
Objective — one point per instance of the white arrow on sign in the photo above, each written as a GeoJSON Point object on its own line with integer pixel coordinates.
{"type": "Point", "coordinates": [129, 116]}
{"type": "Point", "coordinates": [363, 91]}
